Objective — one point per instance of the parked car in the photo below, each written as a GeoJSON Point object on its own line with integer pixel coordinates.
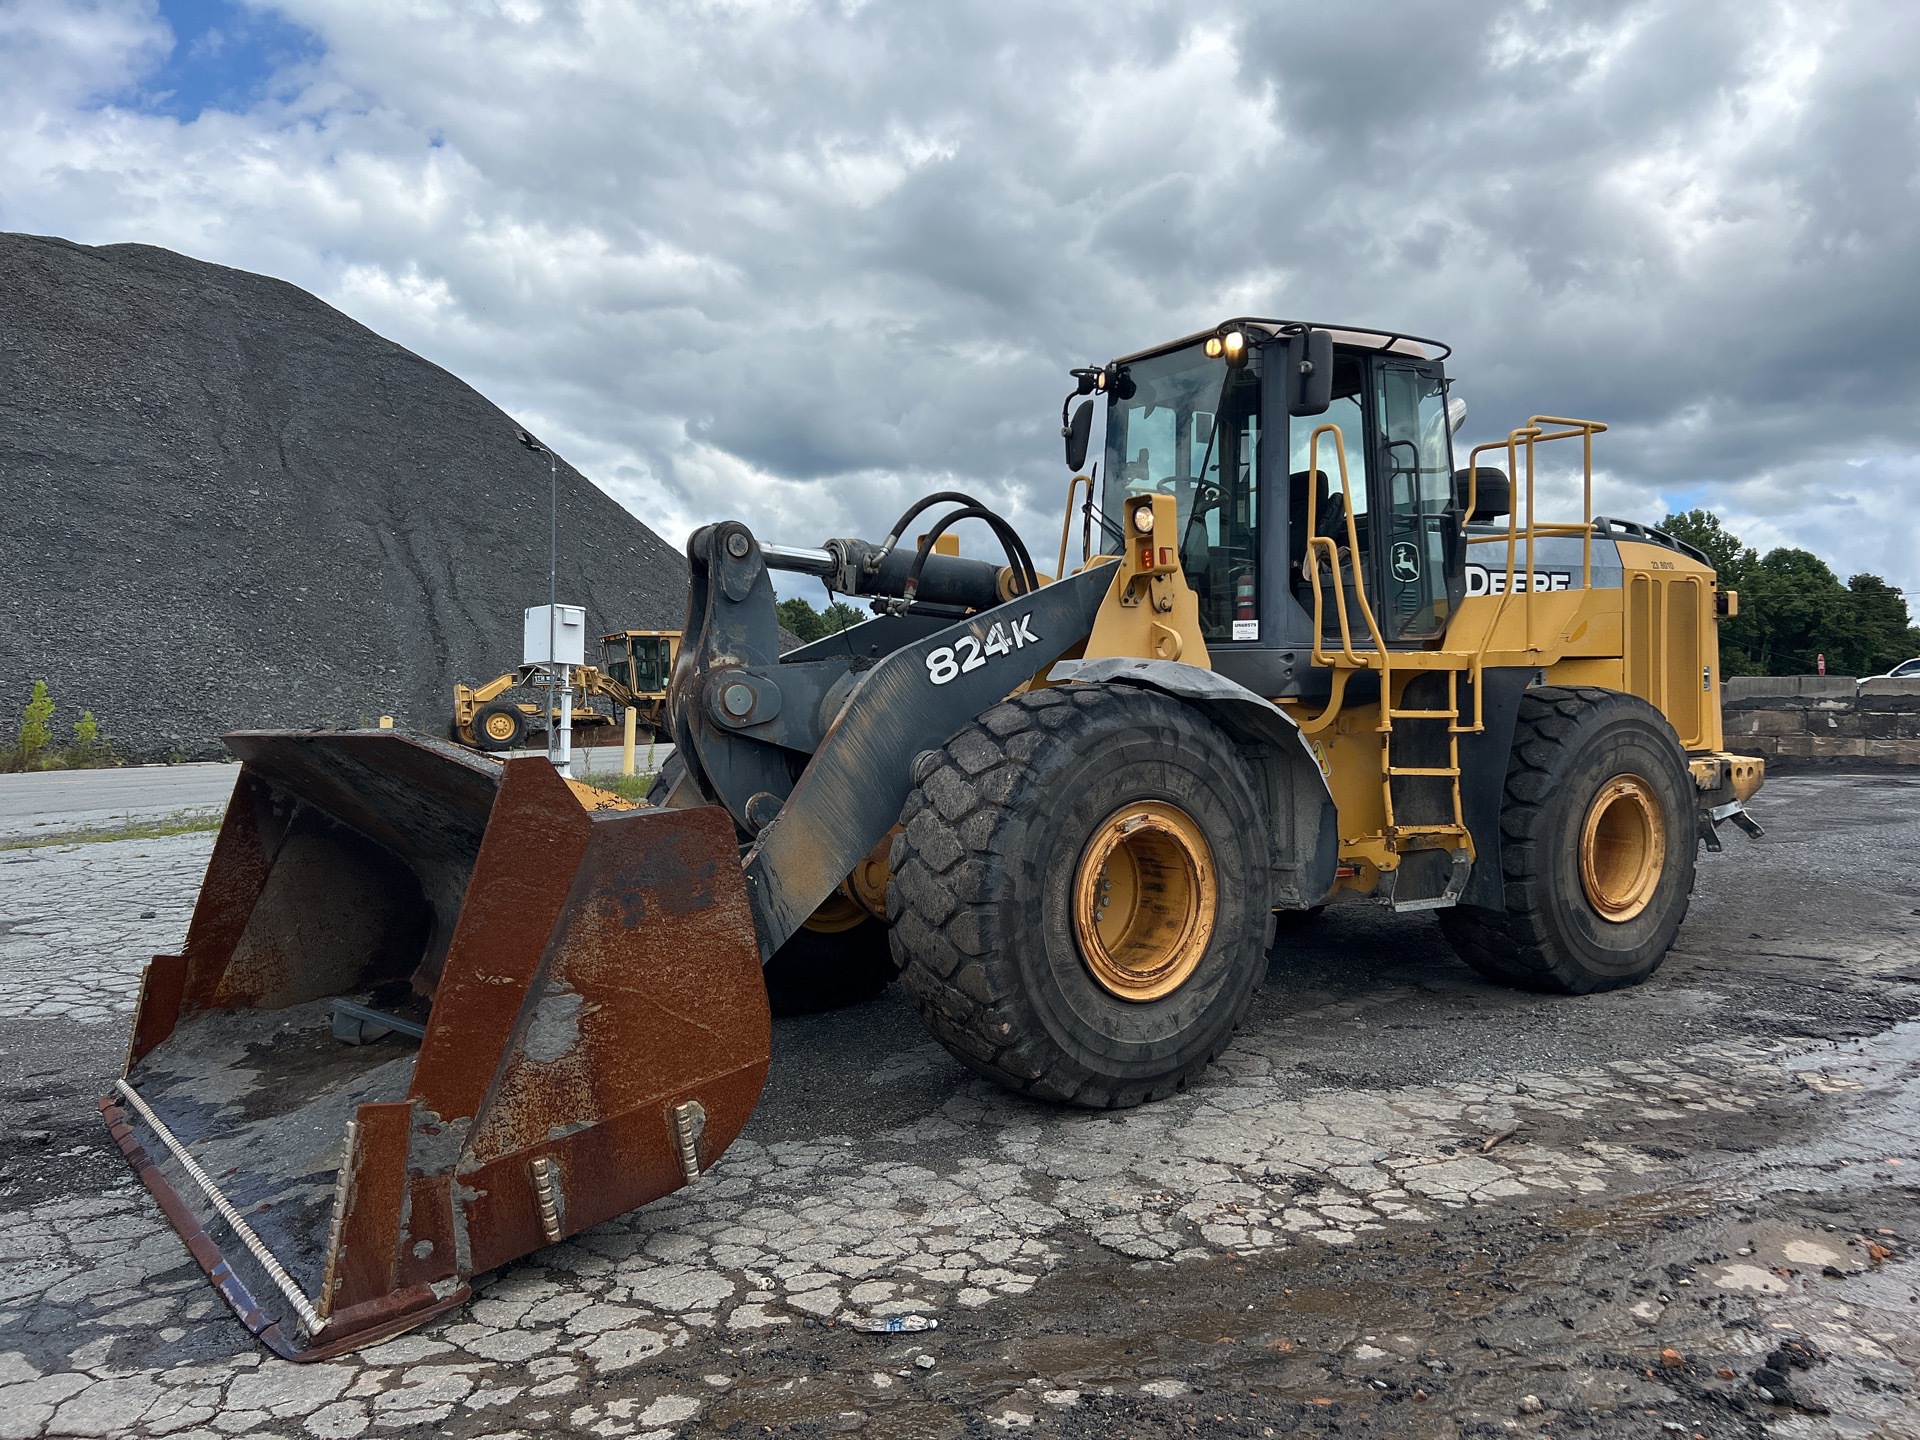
{"type": "Point", "coordinates": [1905, 670]}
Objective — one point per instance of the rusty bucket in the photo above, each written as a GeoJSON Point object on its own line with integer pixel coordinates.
{"type": "Point", "coordinates": [433, 1013]}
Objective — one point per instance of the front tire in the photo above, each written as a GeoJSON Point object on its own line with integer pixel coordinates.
{"type": "Point", "coordinates": [1080, 894]}
{"type": "Point", "coordinates": [1597, 848]}
{"type": "Point", "coordinates": [500, 726]}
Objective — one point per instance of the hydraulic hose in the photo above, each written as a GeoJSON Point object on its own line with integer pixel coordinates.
{"type": "Point", "coordinates": [1010, 542]}
{"type": "Point", "coordinates": [1017, 556]}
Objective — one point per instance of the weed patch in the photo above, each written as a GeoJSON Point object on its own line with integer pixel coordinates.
{"type": "Point", "coordinates": [185, 822]}
{"type": "Point", "coordinates": [627, 787]}
{"type": "Point", "coordinates": [33, 747]}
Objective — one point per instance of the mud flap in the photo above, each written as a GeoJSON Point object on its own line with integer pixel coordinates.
{"type": "Point", "coordinates": [588, 984]}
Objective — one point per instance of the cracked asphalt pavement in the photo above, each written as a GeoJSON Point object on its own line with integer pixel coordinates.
{"type": "Point", "coordinates": [1405, 1202]}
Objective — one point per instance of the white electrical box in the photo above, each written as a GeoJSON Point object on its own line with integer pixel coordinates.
{"type": "Point", "coordinates": [567, 633]}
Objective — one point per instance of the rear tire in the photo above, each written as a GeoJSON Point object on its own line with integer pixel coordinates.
{"type": "Point", "coordinates": [1080, 894]}
{"type": "Point", "coordinates": [499, 726]}
{"type": "Point", "coordinates": [825, 968]}
{"type": "Point", "coordinates": [1597, 849]}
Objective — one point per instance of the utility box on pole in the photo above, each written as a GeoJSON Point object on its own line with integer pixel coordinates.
{"type": "Point", "coordinates": [567, 634]}
{"type": "Point", "coordinates": [555, 638]}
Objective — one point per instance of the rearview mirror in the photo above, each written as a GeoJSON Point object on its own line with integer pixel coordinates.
{"type": "Point", "coordinates": [1309, 372]}
{"type": "Point", "coordinates": [1491, 492]}
{"type": "Point", "coordinates": [1078, 431]}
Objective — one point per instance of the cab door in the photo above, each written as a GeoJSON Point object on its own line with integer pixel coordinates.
{"type": "Point", "coordinates": [1418, 561]}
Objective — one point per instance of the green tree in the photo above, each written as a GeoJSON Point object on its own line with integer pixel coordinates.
{"type": "Point", "coordinates": [86, 739]}
{"type": "Point", "coordinates": [36, 731]}
{"type": "Point", "coordinates": [1799, 612]}
{"type": "Point", "coordinates": [1793, 608]}
{"type": "Point", "coordinates": [1877, 635]}
{"type": "Point", "coordinates": [801, 618]}
{"type": "Point", "coordinates": [840, 616]}
{"type": "Point", "coordinates": [1703, 530]}
{"type": "Point", "coordinates": [811, 624]}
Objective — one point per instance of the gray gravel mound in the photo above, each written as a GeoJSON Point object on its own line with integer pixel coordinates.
{"type": "Point", "coordinates": [228, 506]}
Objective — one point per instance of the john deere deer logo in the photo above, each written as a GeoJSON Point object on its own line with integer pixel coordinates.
{"type": "Point", "coordinates": [1406, 561]}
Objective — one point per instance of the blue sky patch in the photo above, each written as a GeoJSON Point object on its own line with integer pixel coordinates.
{"type": "Point", "coordinates": [225, 57]}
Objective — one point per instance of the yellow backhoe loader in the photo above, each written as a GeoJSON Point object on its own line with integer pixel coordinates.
{"type": "Point", "coordinates": [436, 1010]}
{"type": "Point", "coordinates": [634, 668]}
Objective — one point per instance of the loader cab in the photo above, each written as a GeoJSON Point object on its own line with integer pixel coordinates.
{"type": "Point", "coordinates": [652, 663]}
{"type": "Point", "coordinates": [1252, 483]}
{"type": "Point", "coordinates": [641, 660]}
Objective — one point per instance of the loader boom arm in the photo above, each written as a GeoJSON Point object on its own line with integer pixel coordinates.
{"type": "Point", "coordinates": [747, 723]}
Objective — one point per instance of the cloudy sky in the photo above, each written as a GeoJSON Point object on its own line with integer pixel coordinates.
{"type": "Point", "coordinates": [800, 262]}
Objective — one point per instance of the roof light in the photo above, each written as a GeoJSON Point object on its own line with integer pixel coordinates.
{"type": "Point", "coordinates": [1213, 347]}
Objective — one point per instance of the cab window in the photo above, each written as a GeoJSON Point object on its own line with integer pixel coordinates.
{"type": "Point", "coordinates": [1317, 503]}
{"type": "Point", "coordinates": [1188, 426]}
{"type": "Point", "coordinates": [651, 668]}
{"type": "Point", "coordinates": [1417, 495]}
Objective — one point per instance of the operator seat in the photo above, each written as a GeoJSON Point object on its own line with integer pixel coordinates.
{"type": "Point", "coordinates": [1297, 494]}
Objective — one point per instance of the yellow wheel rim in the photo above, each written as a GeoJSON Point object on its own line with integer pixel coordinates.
{"type": "Point", "coordinates": [837, 914]}
{"type": "Point", "coordinates": [1623, 848]}
{"type": "Point", "coordinates": [1144, 900]}
{"type": "Point", "coordinates": [499, 726]}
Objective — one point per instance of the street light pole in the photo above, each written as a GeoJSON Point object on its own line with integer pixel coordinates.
{"type": "Point", "coordinates": [561, 761]}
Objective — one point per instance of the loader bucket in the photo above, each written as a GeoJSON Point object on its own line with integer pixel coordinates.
{"type": "Point", "coordinates": [432, 1014]}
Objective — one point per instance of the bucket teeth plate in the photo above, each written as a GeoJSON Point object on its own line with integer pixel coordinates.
{"type": "Point", "coordinates": [537, 996]}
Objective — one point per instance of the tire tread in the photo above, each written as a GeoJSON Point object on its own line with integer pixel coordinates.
{"type": "Point", "coordinates": [1516, 946]}
{"type": "Point", "coordinates": [941, 910]}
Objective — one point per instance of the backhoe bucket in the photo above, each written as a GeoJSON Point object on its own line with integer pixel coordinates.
{"type": "Point", "coordinates": [433, 1013]}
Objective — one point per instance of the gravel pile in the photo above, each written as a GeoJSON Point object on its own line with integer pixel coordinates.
{"type": "Point", "coordinates": [228, 506]}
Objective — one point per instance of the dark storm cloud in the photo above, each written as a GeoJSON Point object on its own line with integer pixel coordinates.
{"type": "Point", "coordinates": [800, 262]}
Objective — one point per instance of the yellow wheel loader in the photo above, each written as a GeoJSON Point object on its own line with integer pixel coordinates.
{"type": "Point", "coordinates": [436, 1010]}
{"type": "Point", "coordinates": [633, 672]}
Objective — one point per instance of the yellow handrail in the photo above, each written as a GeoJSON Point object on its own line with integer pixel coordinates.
{"type": "Point", "coordinates": [1586, 429]}
{"type": "Point", "coordinates": [1066, 524]}
{"type": "Point", "coordinates": [1382, 660]}
{"type": "Point", "coordinates": [1531, 435]}
{"type": "Point", "coordinates": [1351, 656]}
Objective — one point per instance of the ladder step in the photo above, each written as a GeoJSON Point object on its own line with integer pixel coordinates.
{"type": "Point", "coordinates": [1444, 772]}
{"type": "Point", "coordinates": [1459, 831]}
{"type": "Point", "coordinates": [1424, 714]}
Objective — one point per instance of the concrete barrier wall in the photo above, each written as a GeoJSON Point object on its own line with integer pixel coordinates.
{"type": "Point", "coordinates": [1824, 718]}
{"type": "Point", "coordinates": [1748, 687]}
{"type": "Point", "coordinates": [1888, 686]}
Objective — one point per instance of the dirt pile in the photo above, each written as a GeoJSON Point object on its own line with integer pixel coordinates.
{"type": "Point", "coordinates": [228, 506]}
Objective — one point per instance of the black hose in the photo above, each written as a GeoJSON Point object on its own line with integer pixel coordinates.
{"type": "Point", "coordinates": [900, 525]}
{"type": "Point", "coordinates": [1010, 542]}
{"type": "Point", "coordinates": [1020, 560]}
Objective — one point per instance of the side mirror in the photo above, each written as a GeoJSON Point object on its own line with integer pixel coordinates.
{"type": "Point", "coordinates": [1490, 489]}
{"type": "Point", "coordinates": [1078, 431]}
{"type": "Point", "coordinates": [1309, 372]}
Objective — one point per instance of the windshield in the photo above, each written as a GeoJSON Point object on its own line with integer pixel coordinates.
{"type": "Point", "coordinates": [613, 661]}
{"type": "Point", "coordinates": [652, 663]}
{"type": "Point", "coordinates": [1186, 426]}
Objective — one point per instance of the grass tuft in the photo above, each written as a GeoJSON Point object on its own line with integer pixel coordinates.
{"type": "Point", "coordinates": [185, 822]}
{"type": "Point", "coordinates": [627, 787]}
